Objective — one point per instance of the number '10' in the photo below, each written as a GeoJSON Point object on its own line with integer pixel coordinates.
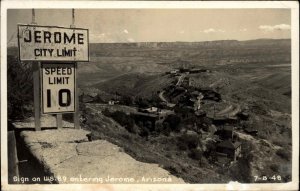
{"type": "Point", "coordinates": [60, 98]}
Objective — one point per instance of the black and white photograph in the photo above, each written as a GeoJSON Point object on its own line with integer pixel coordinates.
{"type": "Point", "coordinates": [158, 96]}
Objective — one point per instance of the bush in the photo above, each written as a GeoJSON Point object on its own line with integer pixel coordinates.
{"type": "Point", "coordinates": [241, 171]}
{"type": "Point", "coordinates": [182, 146]}
{"type": "Point", "coordinates": [284, 154]}
{"type": "Point", "coordinates": [195, 154]}
{"type": "Point", "coordinates": [279, 143]}
{"type": "Point", "coordinates": [187, 141]}
{"type": "Point", "coordinates": [142, 103]}
{"type": "Point", "coordinates": [174, 122]}
{"type": "Point", "coordinates": [172, 169]}
{"type": "Point", "coordinates": [98, 99]}
{"type": "Point", "coordinates": [144, 131]}
{"type": "Point", "coordinates": [106, 112]}
{"type": "Point", "coordinates": [19, 88]}
{"type": "Point", "coordinates": [274, 167]}
{"type": "Point", "coordinates": [123, 119]}
{"type": "Point", "coordinates": [166, 129]}
{"type": "Point", "coordinates": [127, 100]}
{"type": "Point", "coordinates": [204, 162]}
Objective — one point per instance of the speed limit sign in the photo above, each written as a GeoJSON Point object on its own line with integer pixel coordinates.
{"type": "Point", "coordinates": [58, 88]}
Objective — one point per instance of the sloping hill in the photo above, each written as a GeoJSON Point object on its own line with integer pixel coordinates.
{"type": "Point", "coordinates": [101, 69]}
{"type": "Point", "coordinates": [135, 84]}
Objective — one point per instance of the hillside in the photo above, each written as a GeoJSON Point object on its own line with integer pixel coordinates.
{"type": "Point", "coordinates": [109, 60]}
{"type": "Point", "coordinates": [245, 85]}
{"type": "Point", "coordinates": [135, 84]}
{"type": "Point", "coordinates": [250, 76]}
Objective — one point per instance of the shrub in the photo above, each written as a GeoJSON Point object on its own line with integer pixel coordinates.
{"type": "Point", "coordinates": [127, 100]}
{"type": "Point", "coordinates": [195, 154]}
{"type": "Point", "coordinates": [204, 162]}
{"type": "Point", "coordinates": [166, 129]}
{"type": "Point", "coordinates": [182, 146]}
{"type": "Point", "coordinates": [284, 154]}
{"type": "Point", "coordinates": [123, 119]}
{"type": "Point", "coordinates": [98, 99]}
{"type": "Point", "coordinates": [241, 171]}
{"type": "Point", "coordinates": [279, 143]}
{"type": "Point", "coordinates": [174, 122]}
{"type": "Point", "coordinates": [19, 88]}
{"type": "Point", "coordinates": [106, 112]}
{"type": "Point", "coordinates": [187, 141]}
{"type": "Point", "coordinates": [274, 167]}
{"type": "Point", "coordinates": [172, 169]}
{"type": "Point", "coordinates": [142, 103]}
{"type": "Point", "coordinates": [144, 132]}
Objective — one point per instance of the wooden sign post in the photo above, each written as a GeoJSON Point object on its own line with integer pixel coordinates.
{"type": "Point", "coordinates": [59, 49]}
{"type": "Point", "coordinates": [76, 113]}
{"type": "Point", "coordinates": [36, 94]}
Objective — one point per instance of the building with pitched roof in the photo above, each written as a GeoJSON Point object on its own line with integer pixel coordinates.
{"type": "Point", "coordinates": [231, 149]}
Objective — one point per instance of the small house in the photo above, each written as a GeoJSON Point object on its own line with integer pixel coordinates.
{"type": "Point", "coordinates": [231, 149]}
{"type": "Point", "coordinates": [227, 132]}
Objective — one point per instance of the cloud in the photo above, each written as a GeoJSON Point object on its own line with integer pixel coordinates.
{"type": "Point", "coordinates": [211, 30]}
{"type": "Point", "coordinates": [130, 40]}
{"type": "Point", "coordinates": [100, 37]}
{"type": "Point", "coordinates": [181, 32]}
{"type": "Point", "coordinates": [243, 30]}
{"type": "Point", "coordinates": [125, 31]}
{"type": "Point", "coordinates": [269, 28]}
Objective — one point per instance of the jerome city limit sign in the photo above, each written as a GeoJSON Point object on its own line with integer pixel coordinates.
{"type": "Point", "coordinates": [48, 43]}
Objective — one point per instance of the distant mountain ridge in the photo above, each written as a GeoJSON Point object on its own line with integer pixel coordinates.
{"type": "Point", "coordinates": [13, 50]}
{"type": "Point", "coordinates": [180, 44]}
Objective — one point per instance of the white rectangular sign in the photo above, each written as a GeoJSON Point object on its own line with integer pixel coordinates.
{"type": "Point", "coordinates": [58, 88]}
{"type": "Point", "coordinates": [49, 43]}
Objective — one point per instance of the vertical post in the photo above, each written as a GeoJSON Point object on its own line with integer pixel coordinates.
{"type": "Point", "coordinates": [76, 114]}
{"type": "Point", "coordinates": [36, 93]}
{"type": "Point", "coordinates": [59, 121]}
{"type": "Point", "coordinates": [33, 17]}
{"type": "Point", "coordinates": [36, 86]}
{"type": "Point", "coordinates": [73, 19]}
{"type": "Point", "coordinates": [13, 169]}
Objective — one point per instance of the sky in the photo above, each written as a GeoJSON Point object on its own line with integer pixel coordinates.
{"type": "Point", "coordinates": [161, 25]}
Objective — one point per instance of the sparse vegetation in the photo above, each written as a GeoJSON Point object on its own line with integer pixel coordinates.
{"type": "Point", "coordinates": [174, 122]}
{"type": "Point", "coordinates": [242, 170]}
{"type": "Point", "coordinates": [283, 153]}
{"type": "Point", "coordinates": [19, 88]}
{"type": "Point", "coordinates": [188, 141]}
{"type": "Point", "coordinates": [274, 167]}
{"type": "Point", "coordinates": [195, 154]}
{"type": "Point", "coordinates": [123, 119]}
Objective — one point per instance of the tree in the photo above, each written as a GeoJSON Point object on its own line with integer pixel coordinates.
{"type": "Point", "coordinates": [174, 122]}
{"type": "Point", "coordinates": [19, 88]}
{"type": "Point", "coordinates": [143, 103]}
{"type": "Point", "coordinates": [127, 100]}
